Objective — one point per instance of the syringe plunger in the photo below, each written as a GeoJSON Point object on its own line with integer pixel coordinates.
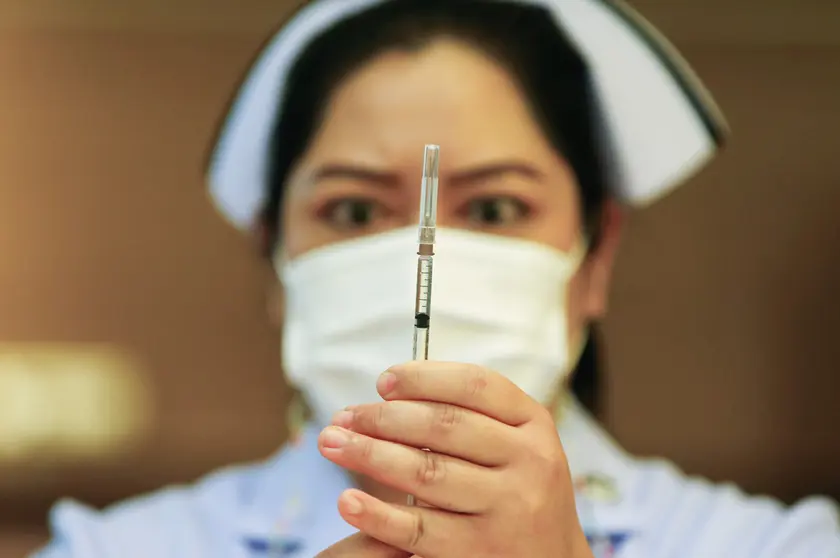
{"type": "Point", "coordinates": [429, 193]}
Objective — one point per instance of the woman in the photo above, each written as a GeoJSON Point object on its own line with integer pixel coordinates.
{"type": "Point", "coordinates": [548, 114]}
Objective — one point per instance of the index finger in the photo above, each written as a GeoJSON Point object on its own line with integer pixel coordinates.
{"type": "Point", "coordinates": [465, 385]}
{"type": "Point", "coordinates": [362, 546]}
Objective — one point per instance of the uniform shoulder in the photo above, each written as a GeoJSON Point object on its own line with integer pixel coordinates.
{"type": "Point", "coordinates": [693, 517]}
{"type": "Point", "coordinates": [182, 521]}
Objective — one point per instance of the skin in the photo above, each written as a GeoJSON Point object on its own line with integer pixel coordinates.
{"type": "Point", "coordinates": [496, 470]}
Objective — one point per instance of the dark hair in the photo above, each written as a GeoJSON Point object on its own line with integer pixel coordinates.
{"type": "Point", "coordinates": [524, 39]}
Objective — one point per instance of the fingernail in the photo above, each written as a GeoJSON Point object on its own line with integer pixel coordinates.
{"type": "Point", "coordinates": [343, 419]}
{"type": "Point", "coordinates": [385, 383]}
{"type": "Point", "coordinates": [333, 438]}
{"type": "Point", "coordinates": [353, 504]}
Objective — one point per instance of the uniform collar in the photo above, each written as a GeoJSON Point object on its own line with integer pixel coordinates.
{"type": "Point", "coordinates": [605, 476]}
{"type": "Point", "coordinates": [588, 447]}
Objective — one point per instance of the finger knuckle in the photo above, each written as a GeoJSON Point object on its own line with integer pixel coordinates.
{"type": "Point", "coordinates": [431, 469]}
{"type": "Point", "coordinates": [418, 531]}
{"type": "Point", "coordinates": [369, 419]}
{"type": "Point", "coordinates": [408, 375]}
{"type": "Point", "coordinates": [384, 523]}
{"type": "Point", "coordinates": [477, 380]}
{"type": "Point", "coordinates": [364, 447]}
{"type": "Point", "coordinates": [414, 375]}
{"type": "Point", "coordinates": [446, 418]}
{"type": "Point", "coordinates": [377, 418]}
{"type": "Point", "coordinates": [548, 458]}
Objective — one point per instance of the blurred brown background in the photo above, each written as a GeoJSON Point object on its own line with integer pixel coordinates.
{"type": "Point", "coordinates": [723, 338]}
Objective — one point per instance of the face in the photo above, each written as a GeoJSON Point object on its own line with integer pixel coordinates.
{"type": "Point", "coordinates": [498, 173]}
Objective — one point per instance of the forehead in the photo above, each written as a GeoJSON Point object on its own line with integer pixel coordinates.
{"type": "Point", "coordinates": [446, 93]}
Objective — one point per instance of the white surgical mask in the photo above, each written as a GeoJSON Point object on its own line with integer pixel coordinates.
{"type": "Point", "coordinates": [496, 302]}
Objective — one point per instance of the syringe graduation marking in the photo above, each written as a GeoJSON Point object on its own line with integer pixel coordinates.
{"type": "Point", "coordinates": [424, 286]}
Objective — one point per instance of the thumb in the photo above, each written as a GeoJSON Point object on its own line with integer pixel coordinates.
{"type": "Point", "coordinates": [362, 546]}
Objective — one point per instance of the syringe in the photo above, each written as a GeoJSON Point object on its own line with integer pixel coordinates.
{"type": "Point", "coordinates": [425, 256]}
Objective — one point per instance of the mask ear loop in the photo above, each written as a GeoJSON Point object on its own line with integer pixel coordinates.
{"type": "Point", "coordinates": [561, 398]}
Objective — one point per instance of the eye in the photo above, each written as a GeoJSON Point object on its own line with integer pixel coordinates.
{"type": "Point", "coordinates": [352, 213]}
{"type": "Point", "coordinates": [496, 211]}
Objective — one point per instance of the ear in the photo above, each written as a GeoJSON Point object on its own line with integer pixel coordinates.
{"type": "Point", "coordinates": [600, 261]}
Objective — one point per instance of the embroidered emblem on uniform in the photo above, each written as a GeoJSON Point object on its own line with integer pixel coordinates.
{"type": "Point", "coordinates": [607, 545]}
{"type": "Point", "coordinates": [597, 488]}
{"type": "Point", "coordinates": [280, 542]}
{"type": "Point", "coordinates": [274, 547]}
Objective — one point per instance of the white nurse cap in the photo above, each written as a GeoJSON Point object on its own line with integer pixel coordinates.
{"type": "Point", "coordinates": [659, 123]}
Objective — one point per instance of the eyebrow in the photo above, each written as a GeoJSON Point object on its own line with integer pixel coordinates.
{"type": "Point", "coordinates": [483, 172]}
{"type": "Point", "coordinates": [355, 172]}
{"type": "Point", "coordinates": [462, 177]}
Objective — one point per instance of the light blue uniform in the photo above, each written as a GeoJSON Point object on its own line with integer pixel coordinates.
{"type": "Point", "coordinates": [286, 507]}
